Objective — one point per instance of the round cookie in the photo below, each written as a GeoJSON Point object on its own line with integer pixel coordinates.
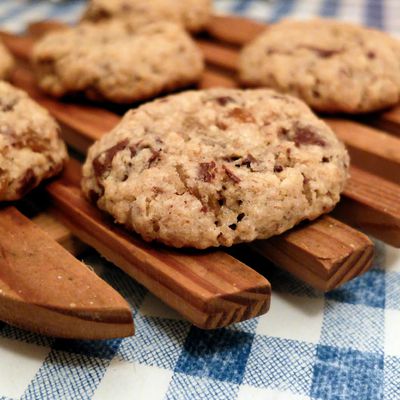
{"type": "Point", "coordinates": [216, 167]}
{"type": "Point", "coordinates": [30, 147]}
{"type": "Point", "coordinates": [6, 62]}
{"type": "Point", "coordinates": [193, 15]}
{"type": "Point", "coordinates": [109, 61]}
{"type": "Point", "coordinates": [333, 66]}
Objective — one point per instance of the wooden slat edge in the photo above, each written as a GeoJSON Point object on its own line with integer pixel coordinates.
{"type": "Point", "coordinates": [325, 253]}
{"type": "Point", "coordinates": [43, 288]}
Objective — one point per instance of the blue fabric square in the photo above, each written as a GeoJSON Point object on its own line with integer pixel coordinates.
{"type": "Point", "coordinates": [14, 333]}
{"type": "Point", "coordinates": [368, 289]}
{"type": "Point", "coordinates": [186, 387]}
{"type": "Point", "coordinates": [392, 378]}
{"type": "Point", "coordinates": [92, 348]}
{"type": "Point", "coordinates": [393, 290]}
{"type": "Point", "coordinates": [220, 354]}
{"type": "Point", "coordinates": [347, 374]}
{"type": "Point", "coordinates": [156, 342]}
{"type": "Point", "coordinates": [66, 376]}
{"type": "Point", "coordinates": [354, 326]}
{"type": "Point", "coordinates": [280, 364]}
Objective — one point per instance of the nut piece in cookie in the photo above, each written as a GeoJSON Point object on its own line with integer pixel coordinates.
{"type": "Point", "coordinates": [193, 15]}
{"type": "Point", "coordinates": [216, 167]}
{"type": "Point", "coordinates": [6, 62]}
{"type": "Point", "coordinates": [110, 62]}
{"type": "Point", "coordinates": [30, 147]}
{"type": "Point", "coordinates": [332, 66]}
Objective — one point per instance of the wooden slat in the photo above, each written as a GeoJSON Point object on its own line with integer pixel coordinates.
{"type": "Point", "coordinates": [211, 288]}
{"type": "Point", "coordinates": [45, 289]}
{"type": "Point", "coordinates": [58, 232]}
{"type": "Point", "coordinates": [372, 204]}
{"type": "Point", "coordinates": [339, 252]}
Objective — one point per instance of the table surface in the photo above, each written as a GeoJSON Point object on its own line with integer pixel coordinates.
{"type": "Point", "coordinates": [340, 345]}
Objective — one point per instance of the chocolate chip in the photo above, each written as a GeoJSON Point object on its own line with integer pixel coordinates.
{"type": "Point", "coordinates": [325, 159]}
{"type": "Point", "coordinates": [231, 175]}
{"type": "Point", "coordinates": [323, 53]}
{"type": "Point", "coordinates": [305, 135]}
{"type": "Point", "coordinates": [27, 183]}
{"type": "Point", "coordinates": [155, 156]}
{"type": "Point", "coordinates": [248, 161]}
{"type": "Point", "coordinates": [371, 55]}
{"type": "Point", "coordinates": [221, 202]}
{"type": "Point", "coordinates": [278, 168]}
{"type": "Point", "coordinates": [204, 209]}
{"type": "Point", "coordinates": [93, 196]}
{"type": "Point", "coordinates": [240, 217]}
{"type": "Point", "coordinates": [100, 167]}
{"type": "Point", "coordinates": [241, 115]}
{"type": "Point", "coordinates": [207, 171]}
{"type": "Point", "coordinates": [224, 100]}
{"type": "Point", "coordinates": [233, 227]}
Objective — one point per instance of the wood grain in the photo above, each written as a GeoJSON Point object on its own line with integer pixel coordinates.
{"type": "Point", "coordinates": [339, 253]}
{"type": "Point", "coordinates": [45, 289]}
{"type": "Point", "coordinates": [210, 288]}
{"type": "Point", "coordinates": [372, 204]}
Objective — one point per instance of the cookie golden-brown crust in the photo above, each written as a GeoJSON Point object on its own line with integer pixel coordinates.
{"type": "Point", "coordinates": [216, 167]}
{"type": "Point", "coordinates": [332, 66]}
{"type": "Point", "coordinates": [30, 147]}
{"type": "Point", "coordinates": [6, 62]}
{"type": "Point", "coordinates": [111, 62]}
{"type": "Point", "coordinates": [193, 15]}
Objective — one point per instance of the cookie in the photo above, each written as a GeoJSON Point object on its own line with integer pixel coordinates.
{"type": "Point", "coordinates": [30, 147]}
{"type": "Point", "coordinates": [193, 15]}
{"type": "Point", "coordinates": [6, 62]}
{"type": "Point", "coordinates": [332, 66]}
{"type": "Point", "coordinates": [109, 62]}
{"type": "Point", "coordinates": [216, 167]}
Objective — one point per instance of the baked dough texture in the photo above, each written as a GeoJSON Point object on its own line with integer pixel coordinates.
{"type": "Point", "coordinates": [193, 15]}
{"type": "Point", "coordinates": [216, 167]}
{"type": "Point", "coordinates": [30, 147]}
{"type": "Point", "coordinates": [332, 66]}
{"type": "Point", "coordinates": [112, 62]}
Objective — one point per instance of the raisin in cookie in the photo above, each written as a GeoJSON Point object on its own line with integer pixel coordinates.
{"type": "Point", "coordinates": [30, 147]}
{"type": "Point", "coordinates": [111, 62]}
{"type": "Point", "coordinates": [216, 167]}
{"type": "Point", "coordinates": [333, 66]}
{"type": "Point", "coordinates": [6, 62]}
{"type": "Point", "coordinates": [193, 15]}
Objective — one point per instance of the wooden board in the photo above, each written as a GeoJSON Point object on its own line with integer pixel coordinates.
{"type": "Point", "coordinates": [324, 253]}
{"type": "Point", "coordinates": [90, 122]}
{"type": "Point", "coordinates": [45, 289]}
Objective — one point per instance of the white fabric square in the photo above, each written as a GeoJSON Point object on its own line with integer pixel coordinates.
{"type": "Point", "coordinates": [392, 333]}
{"type": "Point", "coordinates": [127, 381]}
{"type": "Point", "coordinates": [302, 318]}
{"type": "Point", "coordinates": [392, 259]}
{"type": "Point", "coordinates": [247, 392]}
{"type": "Point", "coordinates": [19, 364]}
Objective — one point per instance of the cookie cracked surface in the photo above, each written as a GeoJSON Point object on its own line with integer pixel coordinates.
{"type": "Point", "coordinates": [30, 147]}
{"type": "Point", "coordinates": [111, 62]}
{"type": "Point", "coordinates": [332, 66]}
{"type": "Point", "coordinates": [216, 167]}
{"type": "Point", "coordinates": [193, 15]}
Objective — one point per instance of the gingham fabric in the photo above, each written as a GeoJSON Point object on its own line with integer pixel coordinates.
{"type": "Point", "coordinates": [342, 345]}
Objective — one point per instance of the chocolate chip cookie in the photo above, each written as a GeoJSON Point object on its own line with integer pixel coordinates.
{"type": "Point", "coordinates": [30, 147]}
{"type": "Point", "coordinates": [333, 66]}
{"type": "Point", "coordinates": [193, 15]}
{"type": "Point", "coordinates": [6, 62]}
{"type": "Point", "coordinates": [110, 62]}
{"type": "Point", "coordinates": [216, 167]}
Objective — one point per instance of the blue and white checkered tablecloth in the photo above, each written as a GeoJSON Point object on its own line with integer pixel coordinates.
{"type": "Point", "coordinates": [342, 345]}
